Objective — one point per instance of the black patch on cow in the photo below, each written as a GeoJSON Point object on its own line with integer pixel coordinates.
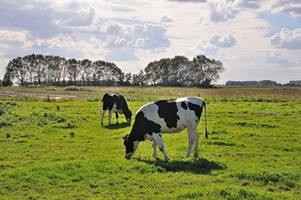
{"type": "Point", "coordinates": [168, 111]}
{"type": "Point", "coordinates": [108, 102]}
{"type": "Point", "coordinates": [184, 105]}
{"type": "Point", "coordinates": [143, 126]}
{"type": "Point", "coordinates": [196, 108]}
{"type": "Point", "coordinates": [129, 144]}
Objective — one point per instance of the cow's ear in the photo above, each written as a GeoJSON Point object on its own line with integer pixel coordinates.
{"type": "Point", "coordinates": [125, 137]}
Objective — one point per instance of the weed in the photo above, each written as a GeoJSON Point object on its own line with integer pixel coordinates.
{"type": "Point", "coordinates": [4, 124]}
{"type": "Point", "coordinates": [8, 135]}
{"type": "Point", "coordinates": [269, 177]}
{"type": "Point", "coordinates": [72, 134]}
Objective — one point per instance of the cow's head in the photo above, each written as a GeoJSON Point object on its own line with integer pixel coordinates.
{"type": "Point", "coordinates": [130, 146]}
{"type": "Point", "coordinates": [128, 116]}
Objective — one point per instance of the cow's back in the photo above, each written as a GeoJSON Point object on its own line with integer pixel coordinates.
{"type": "Point", "coordinates": [173, 115]}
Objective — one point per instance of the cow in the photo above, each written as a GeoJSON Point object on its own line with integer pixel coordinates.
{"type": "Point", "coordinates": [115, 103]}
{"type": "Point", "coordinates": [166, 116]}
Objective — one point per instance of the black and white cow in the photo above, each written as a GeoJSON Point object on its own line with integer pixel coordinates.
{"type": "Point", "coordinates": [166, 116]}
{"type": "Point", "coordinates": [115, 103]}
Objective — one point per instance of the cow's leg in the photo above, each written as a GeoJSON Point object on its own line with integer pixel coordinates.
{"type": "Point", "coordinates": [155, 148]}
{"type": "Point", "coordinates": [191, 138]}
{"type": "Point", "coordinates": [110, 116]}
{"type": "Point", "coordinates": [196, 144]}
{"type": "Point", "coordinates": [102, 116]}
{"type": "Point", "coordinates": [157, 137]}
{"type": "Point", "coordinates": [116, 117]}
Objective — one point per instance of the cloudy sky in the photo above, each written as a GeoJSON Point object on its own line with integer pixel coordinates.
{"type": "Point", "coordinates": [254, 39]}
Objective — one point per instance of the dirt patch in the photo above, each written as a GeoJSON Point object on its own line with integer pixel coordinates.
{"type": "Point", "coordinates": [4, 93]}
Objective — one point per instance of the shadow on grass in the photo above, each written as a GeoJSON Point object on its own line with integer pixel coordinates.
{"type": "Point", "coordinates": [117, 126]}
{"type": "Point", "coordinates": [198, 166]}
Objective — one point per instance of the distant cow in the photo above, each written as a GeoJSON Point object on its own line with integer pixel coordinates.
{"type": "Point", "coordinates": [166, 116]}
{"type": "Point", "coordinates": [115, 103]}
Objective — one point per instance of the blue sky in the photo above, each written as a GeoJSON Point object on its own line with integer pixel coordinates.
{"type": "Point", "coordinates": [255, 40]}
{"type": "Point", "coordinates": [280, 20]}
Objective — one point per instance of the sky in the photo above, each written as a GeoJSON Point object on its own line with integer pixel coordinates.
{"type": "Point", "coordinates": [254, 39]}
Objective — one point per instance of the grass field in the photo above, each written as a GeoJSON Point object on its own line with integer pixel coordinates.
{"type": "Point", "coordinates": [57, 149]}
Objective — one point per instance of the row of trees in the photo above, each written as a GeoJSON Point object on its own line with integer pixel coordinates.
{"type": "Point", "coordinates": [180, 71]}
{"type": "Point", "coordinates": [36, 69]}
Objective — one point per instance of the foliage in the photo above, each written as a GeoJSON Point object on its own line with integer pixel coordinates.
{"type": "Point", "coordinates": [58, 150]}
{"type": "Point", "coordinates": [36, 69]}
{"type": "Point", "coordinates": [179, 71]}
{"type": "Point", "coordinates": [54, 70]}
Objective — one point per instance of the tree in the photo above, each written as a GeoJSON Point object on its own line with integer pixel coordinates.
{"type": "Point", "coordinates": [178, 71]}
{"type": "Point", "coordinates": [39, 65]}
{"type": "Point", "coordinates": [128, 79]}
{"type": "Point", "coordinates": [59, 69]}
{"type": "Point", "coordinates": [138, 79]}
{"type": "Point", "coordinates": [18, 70]}
{"type": "Point", "coordinates": [73, 70]}
{"type": "Point", "coordinates": [204, 71]}
{"type": "Point", "coordinates": [152, 72]}
{"type": "Point", "coordinates": [98, 67]}
{"type": "Point", "coordinates": [164, 70]}
{"type": "Point", "coordinates": [30, 65]}
{"type": "Point", "coordinates": [86, 70]}
{"type": "Point", "coordinates": [7, 81]}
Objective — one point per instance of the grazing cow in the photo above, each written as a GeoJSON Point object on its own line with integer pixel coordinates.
{"type": "Point", "coordinates": [115, 103]}
{"type": "Point", "coordinates": [166, 116]}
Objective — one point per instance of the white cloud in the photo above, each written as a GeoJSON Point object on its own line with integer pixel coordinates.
{"type": "Point", "coordinates": [121, 54]}
{"type": "Point", "coordinates": [166, 19]}
{"type": "Point", "coordinates": [248, 3]}
{"type": "Point", "coordinates": [12, 37]}
{"type": "Point", "coordinates": [222, 11]}
{"type": "Point", "coordinates": [287, 39]}
{"type": "Point", "coordinates": [144, 36]}
{"type": "Point", "coordinates": [123, 8]}
{"type": "Point", "coordinates": [42, 19]}
{"type": "Point", "coordinates": [188, 1]}
{"type": "Point", "coordinates": [83, 18]}
{"type": "Point", "coordinates": [204, 48]}
{"type": "Point", "coordinates": [277, 59]}
{"type": "Point", "coordinates": [223, 41]}
{"type": "Point", "coordinates": [293, 7]}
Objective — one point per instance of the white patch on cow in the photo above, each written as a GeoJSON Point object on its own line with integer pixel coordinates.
{"type": "Point", "coordinates": [157, 137]}
{"type": "Point", "coordinates": [111, 112]}
{"type": "Point", "coordinates": [148, 137]}
{"type": "Point", "coordinates": [114, 109]}
{"type": "Point", "coordinates": [102, 116]}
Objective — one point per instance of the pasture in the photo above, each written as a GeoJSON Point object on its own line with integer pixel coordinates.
{"type": "Point", "coordinates": [55, 148]}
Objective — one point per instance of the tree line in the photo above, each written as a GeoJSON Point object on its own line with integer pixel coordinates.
{"type": "Point", "coordinates": [37, 69]}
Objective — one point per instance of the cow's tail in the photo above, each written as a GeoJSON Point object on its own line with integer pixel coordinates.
{"type": "Point", "coordinates": [100, 107]}
{"type": "Point", "coordinates": [205, 121]}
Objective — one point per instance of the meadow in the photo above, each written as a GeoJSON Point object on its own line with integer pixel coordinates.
{"type": "Point", "coordinates": [55, 148]}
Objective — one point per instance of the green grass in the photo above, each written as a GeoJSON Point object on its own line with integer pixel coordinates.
{"type": "Point", "coordinates": [59, 150]}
